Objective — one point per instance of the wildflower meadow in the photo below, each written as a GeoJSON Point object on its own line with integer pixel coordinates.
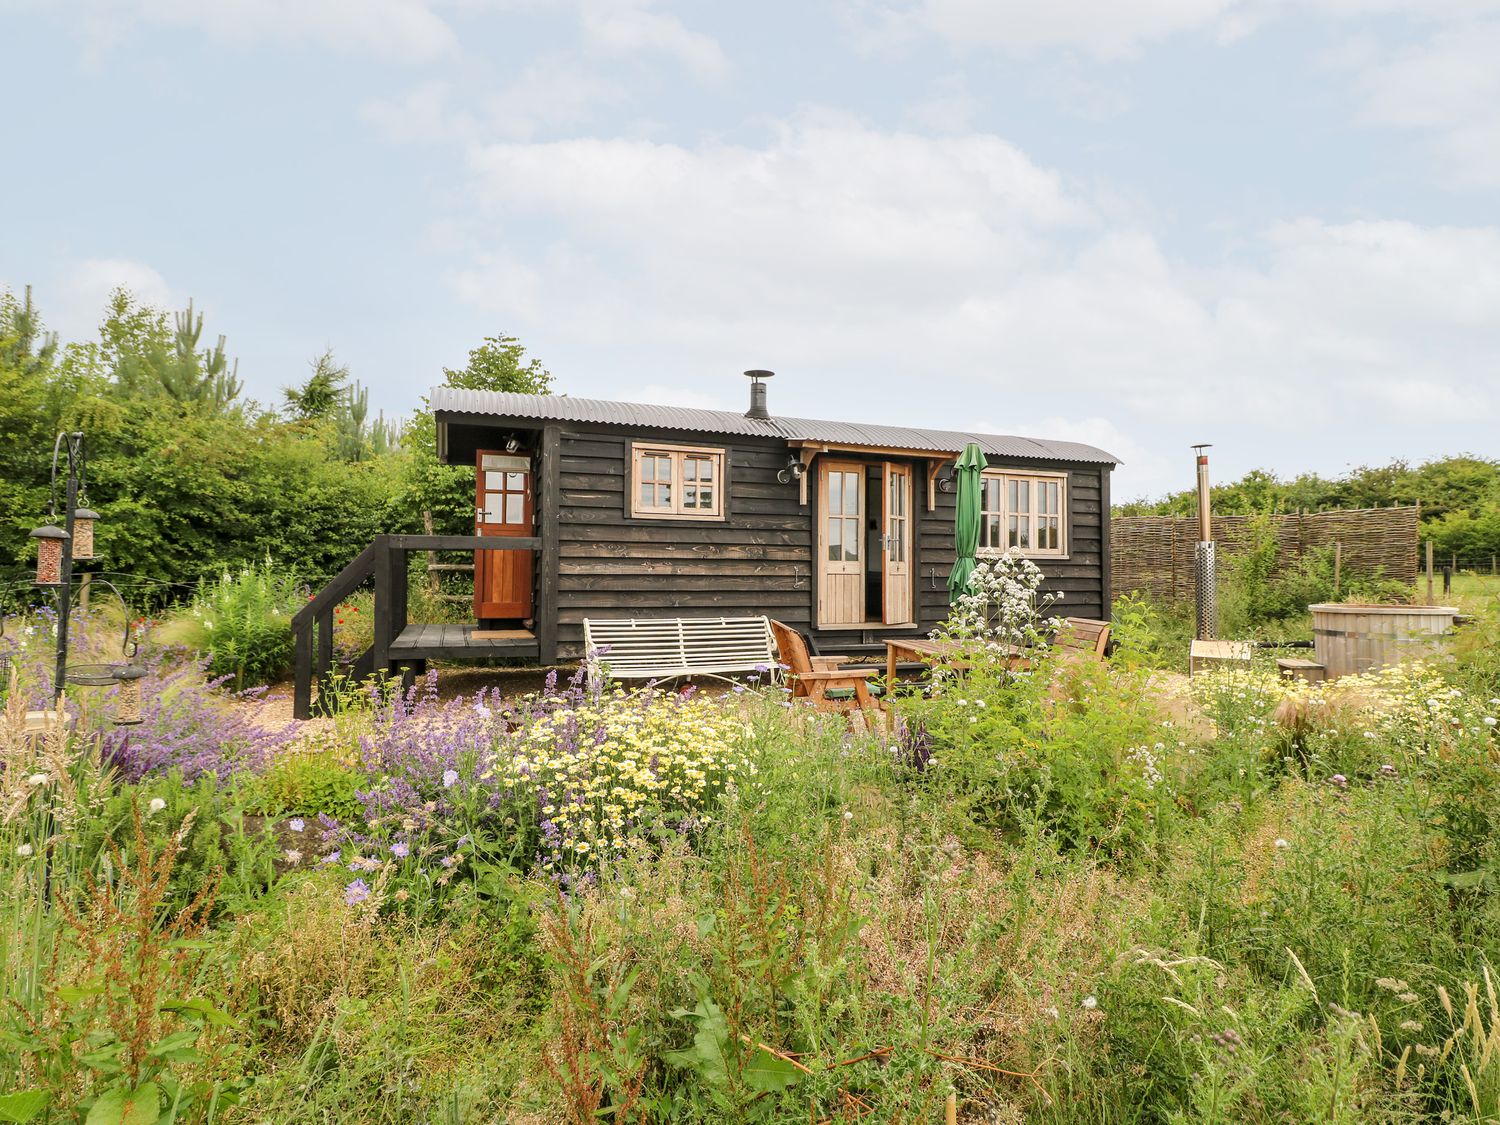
{"type": "Point", "coordinates": [1064, 890]}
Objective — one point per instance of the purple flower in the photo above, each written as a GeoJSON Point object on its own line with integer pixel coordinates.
{"type": "Point", "coordinates": [1387, 770]}
{"type": "Point", "coordinates": [450, 861]}
{"type": "Point", "coordinates": [356, 892]}
{"type": "Point", "coordinates": [331, 857]}
{"type": "Point", "coordinates": [450, 778]}
{"type": "Point", "coordinates": [296, 824]}
{"type": "Point", "coordinates": [400, 850]}
{"type": "Point", "coordinates": [1340, 781]}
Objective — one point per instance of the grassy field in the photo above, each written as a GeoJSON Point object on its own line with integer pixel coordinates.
{"type": "Point", "coordinates": [1090, 894]}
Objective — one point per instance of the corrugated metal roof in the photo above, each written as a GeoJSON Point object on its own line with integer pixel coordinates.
{"type": "Point", "coordinates": [565, 408]}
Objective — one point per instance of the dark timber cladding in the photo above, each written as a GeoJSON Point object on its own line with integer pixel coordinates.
{"type": "Point", "coordinates": [597, 559]}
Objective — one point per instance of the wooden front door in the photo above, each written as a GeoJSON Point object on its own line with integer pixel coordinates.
{"type": "Point", "coordinates": [841, 529]}
{"type": "Point", "coordinates": [896, 566]}
{"type": "Point", "coordinates": [503, 506]}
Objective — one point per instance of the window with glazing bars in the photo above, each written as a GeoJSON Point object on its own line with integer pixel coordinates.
{"type": "Point", "coordinates": [1024, 511]}
{"type": "Point", "coordinates": [677, 482]}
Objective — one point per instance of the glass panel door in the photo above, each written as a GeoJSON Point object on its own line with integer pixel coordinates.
{"type": "Point", "coordinates": [841, 599]}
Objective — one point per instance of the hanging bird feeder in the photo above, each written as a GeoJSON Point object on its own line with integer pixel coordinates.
{"type": "Point", "coordinates": [128, 702]}
{"type": "Point", "coordinates": [128, 675]}
{"type": "Point", "coordinates": [49, 555]}
{"type": "Point", "coordinates": [83, 534]}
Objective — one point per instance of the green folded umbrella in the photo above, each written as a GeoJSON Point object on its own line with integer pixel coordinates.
{"type": "Point", "coordinates": [968, 474]}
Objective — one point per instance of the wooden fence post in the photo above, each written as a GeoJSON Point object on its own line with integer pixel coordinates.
{"type": "Point", "coordinates": [434, 583]}
{"type": "Point", "coordinates": [1338, 566]}
{"type": "Point", "coordinates": [83, 592]}
{"type": "Point", "coordinates": [1430, 600]}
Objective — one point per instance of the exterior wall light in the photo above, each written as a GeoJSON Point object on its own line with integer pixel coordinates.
{"type": "Point", "coordinates": [793, 471]}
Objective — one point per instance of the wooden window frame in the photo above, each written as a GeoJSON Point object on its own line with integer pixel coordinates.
{"type": "Point", "coordinates": [1033, 477]}
{"type": "Point", "coordinates": [678, 454]}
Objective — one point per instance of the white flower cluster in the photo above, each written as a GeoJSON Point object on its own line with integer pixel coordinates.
{"type": "Point", "coordinates": [1003, 605]}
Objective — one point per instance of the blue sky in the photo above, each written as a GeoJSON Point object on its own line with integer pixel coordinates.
{"type": "Point", "coordinates": [1268, 224]}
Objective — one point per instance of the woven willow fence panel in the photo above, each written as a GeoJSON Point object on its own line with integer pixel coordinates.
{"type": "Point", "coordinates": [1154, 554]}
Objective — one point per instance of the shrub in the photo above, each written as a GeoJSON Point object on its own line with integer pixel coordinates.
{"type": "Point", "coordinates": [127, 1032]}
{"type": "Point", "coordinates": [564, 781]}
{"type": "Point", "coordinates": [242, 623]}
{"type": "Point", "coordinates": [311, 782]}
{"type": "Point", "coordinates": [188, 725]}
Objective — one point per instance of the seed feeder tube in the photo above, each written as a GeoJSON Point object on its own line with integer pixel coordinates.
{"type": "Point", "coordinates": [49, 555]}
{"type": "Point", "coordinates": [83, 534]}
{"type": "Point", "coordinates": [128, 702]}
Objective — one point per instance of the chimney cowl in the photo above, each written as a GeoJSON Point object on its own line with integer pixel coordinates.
{"type": "Point", "coordinates": [758, 409]}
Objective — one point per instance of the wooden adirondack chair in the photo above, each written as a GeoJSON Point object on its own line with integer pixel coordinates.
{"type": "Point", "coordinates": [1081, 637]}
{"type": "Point", "coordinates": [821, 681]}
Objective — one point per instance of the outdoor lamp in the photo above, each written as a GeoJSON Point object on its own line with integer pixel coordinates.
{"type": "Point", "coordinates": [128, 702]}
{"type": "Point", "coordinates": [793, 471]}
{"type": "Point", "coordinates": [49, 559]}
{"type": "Point", "coordinates": [83, 534]}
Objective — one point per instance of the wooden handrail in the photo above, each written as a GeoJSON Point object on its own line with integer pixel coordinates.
{"type": "Point", "coordinates": [384, 560]}
{"type": "Point", "coordinates": [342, 584]}
{"type": "Point", "coordinates": [463, 542]}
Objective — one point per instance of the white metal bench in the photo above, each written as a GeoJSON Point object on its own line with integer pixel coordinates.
{"type": "Point", "coordinates": [669, 647]}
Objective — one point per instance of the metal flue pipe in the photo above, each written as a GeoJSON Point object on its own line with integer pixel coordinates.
{"type": "Point", "coordinates": [1205, 569]}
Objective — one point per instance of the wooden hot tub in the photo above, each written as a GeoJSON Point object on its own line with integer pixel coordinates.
{"type": "Point", "coordinates": [1354, 638]}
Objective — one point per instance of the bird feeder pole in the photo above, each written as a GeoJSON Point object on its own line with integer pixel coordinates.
{"type": "Point", "coordinates": [74, 442]}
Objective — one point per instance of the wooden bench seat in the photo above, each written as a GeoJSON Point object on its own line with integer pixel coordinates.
{"type": "Point", "coordinates": [1295, 668]}
{"type": "Point", "coordinates": [667, 648]}
{"type": "Point", "coordinates": [1082, 636]}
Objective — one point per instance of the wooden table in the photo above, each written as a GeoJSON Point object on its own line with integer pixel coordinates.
{"type": "Point", "coordinates": [1203, 655]}
{"type": "Point", "coordinates": [914, 648]}
{"type": "Point", "coordinates": [927, 651]}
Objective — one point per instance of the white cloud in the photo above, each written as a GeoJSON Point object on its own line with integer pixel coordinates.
{"type": "Point", "coordinates": [75, 304]}
{"type": "Point", "coordinates": [948, 108]}
{"type": "Point", "coordinates": [1447, 87]}
{"type": "Point", "coordinates": [1103, 28]}
{"type": "Point", "coordinates": [949, 278]}
{"type": "Point", "coordinates": [422, 115]}
{"type": "Point", "coordinates": [563, 90]}
{"type": "Point", "coordinates": [1110, 29]}
{"type": "Point", "coordinates": [404, 30]}
{"type": "Point", "coordinates": [635, 27]}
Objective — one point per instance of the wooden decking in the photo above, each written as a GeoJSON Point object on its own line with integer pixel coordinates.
{"type": "Point", "coordinates": [461, 642]}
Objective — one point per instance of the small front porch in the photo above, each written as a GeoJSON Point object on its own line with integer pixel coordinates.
{"type": "Point", "coordinates": [401, 647]}
{"type": "Point", "coordinates": [461, 642]}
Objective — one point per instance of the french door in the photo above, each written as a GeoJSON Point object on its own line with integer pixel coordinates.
{"type": "Point", "coordinates": [896, 564]}
{"type": "Point", "coordinates": [844, 510]}
{"type": "Point", "coordinates": [841, 529]}
{"type": "Point", "coordinates": [503, 507]}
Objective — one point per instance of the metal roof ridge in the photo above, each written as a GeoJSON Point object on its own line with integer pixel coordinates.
{"type": "Point", "coordinates": [875, 434]}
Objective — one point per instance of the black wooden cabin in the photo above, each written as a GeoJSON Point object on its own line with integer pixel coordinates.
{"type": "Point", "coordinates": [598, 509]}
{"type": "Point", "coordinates": [840, 529]}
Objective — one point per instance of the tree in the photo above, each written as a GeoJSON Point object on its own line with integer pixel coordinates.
{"type": "Point", "coordinates": [322, 395]}
{"type": "Point", "coordinates": [447, 491]}
{"type": "Point", "coordinates": [496, 366]}
{"type": "Point", "coordinates": [24, 345]}
{"type": "Point", "coordinates": [149, 358]}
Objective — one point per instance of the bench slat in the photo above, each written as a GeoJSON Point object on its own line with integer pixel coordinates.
{"type": "Point", "coordinates": [667, 648]}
